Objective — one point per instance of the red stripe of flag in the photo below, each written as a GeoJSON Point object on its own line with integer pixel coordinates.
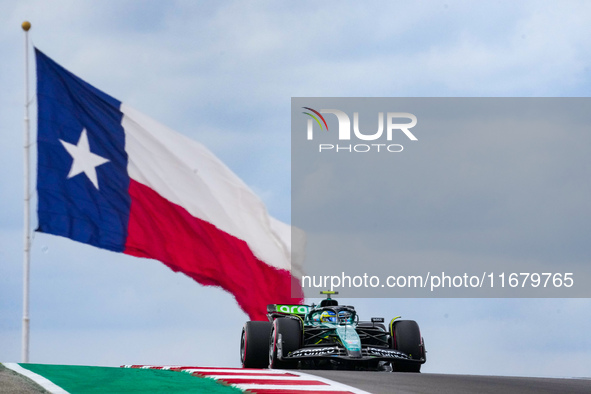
{"type": "Point", "coordinates": [164, 231]}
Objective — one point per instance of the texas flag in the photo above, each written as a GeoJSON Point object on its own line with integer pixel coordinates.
{"type": "Point", "coordinates": [112, 177]}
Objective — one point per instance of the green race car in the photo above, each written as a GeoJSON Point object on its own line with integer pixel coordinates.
{"type": "Point", "coordinates": [330, 336]}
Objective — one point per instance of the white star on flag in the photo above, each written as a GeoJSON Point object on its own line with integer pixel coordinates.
{"type": "Point", "coordinates": [84, 160]}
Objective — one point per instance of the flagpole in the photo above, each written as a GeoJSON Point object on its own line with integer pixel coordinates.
{"type": "Point", "coordinates": [27, 233]}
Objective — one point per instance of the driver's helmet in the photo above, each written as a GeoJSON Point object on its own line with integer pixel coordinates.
{"type": "Point", "coordinates": [346, 316]}
{"type": "Point", "coordinates": [328, 317]}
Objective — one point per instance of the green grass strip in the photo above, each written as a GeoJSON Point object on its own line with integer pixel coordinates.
{"type": "Point", "coordinates": [82, 379]}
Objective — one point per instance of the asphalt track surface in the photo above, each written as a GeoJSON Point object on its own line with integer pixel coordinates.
{"type": "Point", "coordinates": [403, 383]}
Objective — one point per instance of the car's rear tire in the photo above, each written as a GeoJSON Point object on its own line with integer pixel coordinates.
{"type": "Point", "coordinates": [290, 332]}
{"type": "Point", "coordinates": [406, 337]}
{"type": "Point", "coordinates": [254, 344]}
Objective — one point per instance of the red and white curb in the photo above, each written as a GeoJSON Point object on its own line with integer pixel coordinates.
{"type": "Point", "coordinates": [47, 384]}
{"type": "Point", "coordinates": [265, 381]}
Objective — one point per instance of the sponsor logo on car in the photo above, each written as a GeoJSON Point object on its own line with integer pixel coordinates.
{"type": "Point", "coordinates": [314, 352]}
{"type": "Point", "coordinates": [294, 309]}
{"type": "Point", "coordinates": [385, 353]}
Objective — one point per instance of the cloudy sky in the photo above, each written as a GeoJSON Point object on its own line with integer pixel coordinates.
{"type": "Point", "coordinates": [224, 73]}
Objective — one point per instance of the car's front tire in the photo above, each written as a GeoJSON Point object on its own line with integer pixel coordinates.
{"type": "Point", "coordinates": [406, 337]}
{"type": "Point", "coordinates": [285, 334]}
{"type": "Point", "coordinates": [254, 343]}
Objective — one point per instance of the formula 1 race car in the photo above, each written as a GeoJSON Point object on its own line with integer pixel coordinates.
{"type": "Point", "coordinates": [330, 336]}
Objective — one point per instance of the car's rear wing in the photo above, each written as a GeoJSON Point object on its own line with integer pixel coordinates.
{"type": "Point", "coordinates": [300, 310]}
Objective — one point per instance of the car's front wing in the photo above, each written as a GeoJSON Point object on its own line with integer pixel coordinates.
{"type": "Point", "coordinates": [336, 352]}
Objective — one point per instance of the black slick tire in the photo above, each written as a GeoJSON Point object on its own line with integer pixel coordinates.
{"type": "Point", "coordinates": [254, 344]}
{"type": "Point", "coordinates": [290, 332]}
{"type": "Point", "coordinates": [406, 337]}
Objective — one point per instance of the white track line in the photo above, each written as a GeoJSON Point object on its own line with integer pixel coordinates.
{"type": "Point", "coordinates": [254, 377]}
{"type": "Point", "coordinates": [241, 370]}
{"type": "Point", "coordinates": [208, 369]}
{"type": "Point", "coordinates": [40, 380]}
{"type": "Point", "coordinates": [315, 388]}
{"type": "Point", "coordinates": [332, 383]}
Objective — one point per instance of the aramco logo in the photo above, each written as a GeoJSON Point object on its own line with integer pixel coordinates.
{"type": "Point", "coordinates": [297, 309]}
{"type": "Point", "coordinates": [392, 125]}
